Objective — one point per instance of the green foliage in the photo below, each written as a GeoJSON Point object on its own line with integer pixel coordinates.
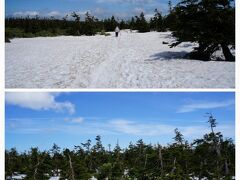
{"type": "Point", "coordinates": [157, 22]}
{"type": "Point", "coordinates": [178, 136]}
{"type": "Point", "coordinates": [73, 25]}
{"type": "Point", "coordinates": [12, 162]}
{"type": "Point", "coordinates": [89, 28]}
{"type": "Point", "coordinates": [211, 156]}
{"type": "Point", "coordinates": [141, 24]}
{"type": "Point", "coordinates": [110, 24]}
{"type": "Point", "coordinates": [105, 171]}
{"type": "Point", "coordinates": [38, 167]}
{"type": "Point", "coordinates": [210, 23]}
{"type": "Point", "coordinates": [73, 166]}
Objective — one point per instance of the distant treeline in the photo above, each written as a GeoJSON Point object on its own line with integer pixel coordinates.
{"type": "Point", "coordinates": [209, 23]}
{"type": "Point", "coordinates": [211, 157]}
{"type": "Point", "coordinates": [36, 26]}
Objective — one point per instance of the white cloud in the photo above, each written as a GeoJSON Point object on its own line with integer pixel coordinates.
{"type": "Point", "coordinates": [142, 129]}
{"type": "Point", "coordinates": [115, 127]}
{"type": "Point", "coordinates": [204, 105]}
{"type": "Point", "coordinates": [18, 14]}
{"type": "Point", "coordinates": [158, 129]}
{"type": "Point", "coordinates": [26, 13]}
{"type": "Point", "coordinates": [54, 13]}
{"type": "Point", "coordinates": [36, 13]}
{"type": "Point", "coordinates": [149, 16]}
{"type": "Point", "coordinates": [39, 101]}
{"type": "Point", "coordinates": [99, 11]}
{"type": "Point", "coordinates": [138, 10]}
{"type": "Point", "coordinates": [78, 120]}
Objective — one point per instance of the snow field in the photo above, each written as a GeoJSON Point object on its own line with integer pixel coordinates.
{"type": "Point", "coordinates": [133, 60]}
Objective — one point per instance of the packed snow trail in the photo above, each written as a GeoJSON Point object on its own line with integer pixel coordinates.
{"type": "Point", "coordinates": [133, 60]}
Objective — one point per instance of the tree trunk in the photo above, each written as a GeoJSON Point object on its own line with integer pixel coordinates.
{"type": "Point", "coordinates": [71, 167]}
{"type": "Point", "coordinates": [174, 166]}
{"type": "Point", "coordinates": [200, 53]}
{"type": "Point", "coordinates": [226, 168]}
{"type": "Point", "coordinates": [227, 53]}
{"type": "Point", "coordinates": [36, 169]}
{"type": "Point", "coordinates": [160, 158]}
{"type": "Point", "coordinates": [145, 164]}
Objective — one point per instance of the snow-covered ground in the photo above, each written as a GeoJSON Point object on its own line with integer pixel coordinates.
{"type": "Point", "coordinates": [133, 60]}
{"type": "Point", "coordinates": [23, 176]}
{"type": "Point", "coordinates": [54, 178]}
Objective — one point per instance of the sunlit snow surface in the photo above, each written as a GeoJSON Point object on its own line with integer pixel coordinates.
{"type": "Point", "coordinates": [133, 60]}
{"type": "Point", "coordinates": [54, 178]}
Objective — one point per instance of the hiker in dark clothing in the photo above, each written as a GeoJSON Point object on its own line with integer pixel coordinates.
{"type": "Point", "coordinates": [117, 30]}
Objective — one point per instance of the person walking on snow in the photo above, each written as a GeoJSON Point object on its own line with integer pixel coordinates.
{"type": "Point", "coordinates": [117, 31]}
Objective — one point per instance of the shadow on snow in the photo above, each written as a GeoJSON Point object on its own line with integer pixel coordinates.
{"type": "Point", "coordinates": [168, 55]}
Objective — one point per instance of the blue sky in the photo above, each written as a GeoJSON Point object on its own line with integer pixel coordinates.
{"type": "Point", "coordinates": [123, 9]}
{"type": "Point", "coordinates": [41, 119]}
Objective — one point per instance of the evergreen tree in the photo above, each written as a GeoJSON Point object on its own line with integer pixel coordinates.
{"type": "Point", "coordinates": [212, 122]}
{"type": "Point", "coordinates": [170, 6]}
{"type": "Point", "coordinates": [141, 24]}
{"type": "Point", "coordinates": [37, 168]}
{"type": "Point", "coordinates": [156, 23]}
{"type": "Point", "coordinates": [11, 162]}
{"type": "Point", "coordinates": [210, 23]}
{"type": "Point", "coordinates": [56, 159]}
{"type": "Point", "coordinates": [117, 164]}
{"type": "Point", "coordinates": [76, 29]}
{"type": "Point", "coordinates": [105, 171]}
{"type": "Point", "coordinates": [68, 169]}
{"type": "Point", "coordinates": [212, 157]}
{"type": "Point", "coordinates": [89, 27]}
{"type": "Point", "coordinates": [132, 24]}
{"type": "Point", "coordinates": [98, 155]}
{"type": "Point", "coordinates": [178, 137]}
{"type": "Point", "coordinates": [122, 24]}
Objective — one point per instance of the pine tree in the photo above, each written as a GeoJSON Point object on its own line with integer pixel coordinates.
{"type": "Point", "coordinates": [89, 26]}
{"type": "Point", "coordinates": [212, 157]}
{"type": "Point", "coordinates": [170, 6]}
{"type": "Point", "coordinates": [117, 164]}
{"type": "Point", "coordinates": [178, 137]}
{"type": "Point", "coordinates": [156, 23]}
{"type": "Point", "coordinates": [210, 23]}
{"type": "Point", "coordinates": [141, 24]}
{"type": "Point", "coordinates": [11, 162]}
{"type": "Point", "coordinates": [56, 159]}
{"type": "Point", "coordinates": [132, 24]}
{"type": "Point", "coordinates": [37, 167]}
{"type": "Point", "coordinates": [76, 29]}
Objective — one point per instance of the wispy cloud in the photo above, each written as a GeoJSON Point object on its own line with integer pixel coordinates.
{"type": "Point", "coordinates": [25, 13]}
{"type": "Point", "coordinates": [39, 101]}
{"type": "Point", "coordinates": [135, 128]}
{"type": "Point", "coordinates": [80, 126]}
{"type": "Point", "coordinates": [54, 14]}
{"type": "Point", "coordinates": [77, 120]}
{"type": "Point", "coordinates": [190, 107]}
{"type": "Point", "coordinates": [152, 129]}
{"type": "Point", "coordinates": [138, 10]}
